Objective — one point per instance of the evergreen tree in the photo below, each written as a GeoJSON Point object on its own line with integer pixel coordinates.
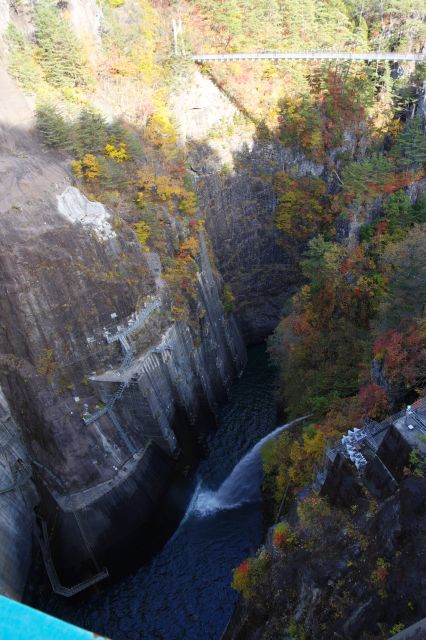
{"type": "Point", "coordinates": [411, 147]}
{"type": "Point", "coordinates": [58, 48]}
{"type": "Point", "coordinates": [405, 265]}
{"type": "Point", "coordinates": [91, 132]}
{"type": "Point", "coordinates": [54, 129]}
{"type": "Point", "coordinates": [22, 64]}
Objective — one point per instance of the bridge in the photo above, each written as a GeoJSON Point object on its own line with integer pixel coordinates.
{"type": "Point", "coordinates": [367, 56]}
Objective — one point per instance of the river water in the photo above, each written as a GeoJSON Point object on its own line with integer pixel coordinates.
{"type": "Point", "coordinates": [184, 592]}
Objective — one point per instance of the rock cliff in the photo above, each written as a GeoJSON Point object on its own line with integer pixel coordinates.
{"type": "Point", "coordinates": [17, 499]}
{"type": "Point", "coordinates": [113, 397]}
{"type": "Point", "coordinates": [350, 566]}
{"type": "Point", "coordinates": [233, 168]}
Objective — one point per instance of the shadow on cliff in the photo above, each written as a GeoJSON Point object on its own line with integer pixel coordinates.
{"type": "Point", "coordinates": [237, 198]}
{"type": "Point", "coordinates": [60, 285]}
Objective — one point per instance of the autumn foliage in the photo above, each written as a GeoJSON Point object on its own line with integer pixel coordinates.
{"type": "Point", "coordinates": [403, 354]}
{"type": "Point", "coordinates": [303, 210]}
{"type": "Point", "coordinates": [373, 401]}
{"type": "Point", "coordinates": [248, 576]}
{"type": "Point", "coordinates": [283, 536]}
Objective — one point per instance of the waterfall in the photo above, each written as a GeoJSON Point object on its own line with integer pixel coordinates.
{"type": "Point", "coordinates": [243, 483]}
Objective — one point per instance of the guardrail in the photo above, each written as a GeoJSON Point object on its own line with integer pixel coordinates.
{"type": "Point", "coordinates": [313, 55]}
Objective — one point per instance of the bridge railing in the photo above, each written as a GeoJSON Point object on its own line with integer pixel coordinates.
{"type": "Point", "coordinates": [313, 55]}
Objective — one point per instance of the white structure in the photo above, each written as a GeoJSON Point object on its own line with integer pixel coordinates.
{"type": "Point", "coordinates": [314, 55]}
{"type": "Point", "coordinates": [351, 443]}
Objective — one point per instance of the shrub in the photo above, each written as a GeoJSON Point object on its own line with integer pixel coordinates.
{"type": "Point", "coordinates": [228, 299]}
{"type": "Point", "coordinates": [417, 462]}
{"type": "Point", "coordinates": [397, 628]}
{"type": "Point", "coordinates": [77, 169]}
{"type": "Point", "coordinates": [312, 511]}
{"type": "Point", "coordinates": [240, 578]}
{"type": "Point", "coordinates": [283, 536]}
{"type": "Point", "coordinates": [188, 249]}
{"type": "Point", "coordinates": [374, 402]}
{"type": "Point", "coordinates": [143, 231]}
{"type": "Point", "coordinates": [188, 203]}
{"type": "Point", "coordinates": [89, 168]}
{"type": "Point", "coordinates": [247, 577]}
{"type": "Point", "coordinates": [380, 574]}
{"type": "Point", "coordinates": [119, 154]}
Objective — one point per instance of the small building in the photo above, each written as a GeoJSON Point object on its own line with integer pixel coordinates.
{"type": "Point", "coordinates": [374, 456]}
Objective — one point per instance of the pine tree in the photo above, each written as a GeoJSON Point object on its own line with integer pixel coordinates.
{"type": "Point", "coordinates": [54, 129]}
{"type": "Point", "coordinates": [59, 50]}
{"type": "Point", "coordinates": [91, 132]}
{"type": "Point", "coordinates": [411, 146]}
{"type": "Point", "coordinates": [22, 63]}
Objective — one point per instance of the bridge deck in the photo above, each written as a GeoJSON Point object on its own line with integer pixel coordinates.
{"type": "Point", "coordinates": [312, 55]}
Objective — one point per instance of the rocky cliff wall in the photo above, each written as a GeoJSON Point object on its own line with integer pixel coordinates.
{"type": "Point", "coordinates": [17, 498]}
{"type": "Point", "coordinates": [113, 397]}
{"type": "Point", "coordinates": [233, 168]}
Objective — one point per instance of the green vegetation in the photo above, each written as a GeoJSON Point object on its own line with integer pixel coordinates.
{"type": "Point", "coordinates": [353, 120]}
{"type": "Point", "coordinates": [397, 628]}
{"type": "Point", "coordinates": [361, 149]}
{"type": "Point", "coordinates": [53, 127]}
{"type": "Point", "coordinates": [248, 576]}
{"type": "Point", "coordinates": [228, 299]}
{"type": "Point", "coordinates": [23, 64]}
{"type": "Point", "coordinates": [58, 49]}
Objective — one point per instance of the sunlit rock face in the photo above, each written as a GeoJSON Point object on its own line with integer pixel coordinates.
{"type": "Point", "coordinates": [233, 168]}
{"type": "Point", "coordinates": [4, 15]}
{"type": "Point", "coordinates": [86, 18]}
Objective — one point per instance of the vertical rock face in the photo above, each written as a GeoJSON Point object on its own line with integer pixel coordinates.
{"type": "Point", "coordinates": [4, 15]}
{"type": "Point", "coordinates": [165, 401]}
{"type": "Point", "coordinates": [234, 168]}
{"type": "Point", "coordinates": [17, 499]}
{"type": "Point", "coordinates": [240, 216]}
{"type": "Point", "coordinates": [113, 397]}
{"type": "Point", "coordinates": [86, 18]}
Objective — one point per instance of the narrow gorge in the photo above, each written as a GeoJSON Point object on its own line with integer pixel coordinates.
{"type": "Point", "coordinates": [212, 274]}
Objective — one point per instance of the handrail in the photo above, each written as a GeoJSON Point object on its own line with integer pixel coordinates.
{"type": "Point", "coordinates": [43, 539]}
{"type": "Point", "coordinates": [312, 55]}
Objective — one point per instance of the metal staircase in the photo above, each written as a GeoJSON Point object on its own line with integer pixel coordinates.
{"type": "Point", "coordinates": [128, 355]}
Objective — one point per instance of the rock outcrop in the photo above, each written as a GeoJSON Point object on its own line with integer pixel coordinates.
{"type": "Point", "coordinates": [351, 566]}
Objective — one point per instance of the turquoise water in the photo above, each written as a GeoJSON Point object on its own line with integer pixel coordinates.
{"type": "Point", "coordinates": [184, 592]}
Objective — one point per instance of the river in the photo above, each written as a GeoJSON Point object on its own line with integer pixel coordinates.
{"type": "Point", "coordinates": [184, 593]}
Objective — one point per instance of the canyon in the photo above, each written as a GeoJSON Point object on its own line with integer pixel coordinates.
{"type": "Point", "coordinates": [155, 229]}
{"type": "Point", "coordinates": [112, 399]}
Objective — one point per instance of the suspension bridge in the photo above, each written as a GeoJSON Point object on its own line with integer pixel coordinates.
{"type": "Point", "coordinates": [368, 56]}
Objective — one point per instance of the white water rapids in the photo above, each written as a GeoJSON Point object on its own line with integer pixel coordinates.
{"type": "Point", "coordinates": [242, 486]}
